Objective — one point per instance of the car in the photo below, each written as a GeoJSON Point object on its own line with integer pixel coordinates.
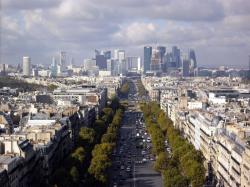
{"type": "Point", "coordinates": [122, 167]}
{"type": "Point", "coordinates": [143, 152]}
{"type": "Point", "coordinates": [144, 160]}
{"type": "Point", "coordinates": [138, 162]}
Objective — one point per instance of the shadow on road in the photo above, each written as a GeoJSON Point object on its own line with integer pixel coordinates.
{"type": "Point", "coordinates": [148, 175]}
{"type": "Point", "coordinates": [145, 183]}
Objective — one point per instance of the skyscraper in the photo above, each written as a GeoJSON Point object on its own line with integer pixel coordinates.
{"type": "Point", "coordinates": [101, 58]}
{"type": "Point", "coordinates": [185, 68]}
{"type": "Point", "coordinates": [155, 65]}
{"type": "Point", "coordinates": [2, 69]}
{"type": "Point", "coordinates": [62, 59]}
{"type": "Point", "coordinates": [133, 63]}
{"type": "Point", "coordinates": [26, 66]}
{"type": "Point", "coordinates": [192, 58]}
{"type": "Point", "coordinates": [121, 55]}
{"type": "Point", "coordinates": [116, 54]}
{"type": "Point", "coordinates": [89, 64]}
{"type": "Point", "coordinates": [107, 54]}
{"type": "Point", "coordinates": [176, 55]}
{"type": "Point", "coordinates": [101, 61]}
{"type": "Point", "coordinates": [162, 51]}
{"type": "Point", "coordinates": [147, 58]}
{"type": "Point", "coordinates": [110, 65]}
{"type": "Point", "coordinates": [53, 67]}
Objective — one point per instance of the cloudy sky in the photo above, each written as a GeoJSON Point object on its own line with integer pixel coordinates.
{"type": "Point", "coordinates": [218, 30]}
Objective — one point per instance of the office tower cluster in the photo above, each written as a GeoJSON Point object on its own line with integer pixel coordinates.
{"type": "Point", "coordinates": [105, 64]}
{"type": "Point", "coordinates": [159, 60]}
{"type": "Point", "coordinates": [58, 66]}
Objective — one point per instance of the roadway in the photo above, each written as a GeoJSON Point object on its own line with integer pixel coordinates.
{"type": "Point", "coordinates": [132, 158]}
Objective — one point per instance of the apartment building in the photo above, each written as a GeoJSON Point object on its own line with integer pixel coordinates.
{"type": "Point", "coordinates": [84, 96]}
{"type": "Point", "coordinates": [215, 118]}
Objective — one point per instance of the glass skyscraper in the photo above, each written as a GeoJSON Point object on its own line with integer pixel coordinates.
{"type": "Point", "coordinates": [147, 58]}
{"type": "Point", "coordinates": [192, 58]}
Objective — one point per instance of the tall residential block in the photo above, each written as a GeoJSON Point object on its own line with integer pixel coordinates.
{"type": "Point", "coordinates": [26, 66]}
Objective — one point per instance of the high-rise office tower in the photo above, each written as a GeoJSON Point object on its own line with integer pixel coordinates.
{"type": "Point", "coordinates": [2, 69]}
{"type": "Point", "coordinates": [121, 55]}
{"type": "Point", "coordinates": [122, 68]}
{"type": "Point", "coordinates": [176, 57]}
{"type": "Point", "coordinates": [107, 54]}
{"type": "Point", "coordinates": [101, 58]}
{"type": "Point", "coordinates": [97, 52]}
{"type": "Point", "coordinates": [63, 59]}
{"type": "Point", "coordinates": [54, 67]}
{"type": "Point", "coordinates": [192, 58]}
{"type": "Point", "coordinates": [35, 72]}
{"type": "Point", "coordinates": [186, 68]}
{"type": "Point", "coordinates": [26, 66]}
{"type": "Point", "coordinates": [101, 61]}
{"type": "Point", "coordinates": [89, 64]}
{"type": "Point", "coordinates": [110, 65]}
{"type": "Point", "coordinates": [116, 54]}
{"type": "Point", "coordinates": [133, 63]}
{"type": "Point", "coordinates": [147, 58]}
{"type": "Point", "coordinates": [155, 65]}
{"type": "Point", "coordinates": [162, 51]}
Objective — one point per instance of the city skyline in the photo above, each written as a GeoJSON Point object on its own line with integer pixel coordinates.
{"type": "Point", "coordinates": [217, 30]}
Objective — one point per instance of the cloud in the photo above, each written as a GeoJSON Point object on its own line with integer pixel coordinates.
{"type": "Point", "coordinates": [43, 27]}
{"type": "Point", "coordinates": [28, 4]}
{"type": "Point", "coordinates": [135, 33]}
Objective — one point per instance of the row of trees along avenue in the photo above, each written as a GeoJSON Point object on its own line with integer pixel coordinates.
{"type": "Point", "coordinates": [142, 91]}
{"type": "Point", "coordinates": [184, 165]}
{"type": "Point", "coordinates": [89, 161]}
{"type": "Point", "coordinates": [124, 90]}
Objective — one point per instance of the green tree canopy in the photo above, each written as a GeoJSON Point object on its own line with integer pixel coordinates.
{"type": "Point", "coordinates": [87, 135]}
{"type": "Point", "coordinates": [98, 167]}
{"type": "Point", "coordinates": [161, 162]}
{"type": "Point", "coordinates": [79, 154]}
{"type": "Point", "coordinates": [74, 173]}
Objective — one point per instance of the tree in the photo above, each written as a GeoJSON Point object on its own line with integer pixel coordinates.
{"type": "Point", "coordinates": [87, 135]}
{"type": "Point", "coordinates": [115, 103]}
{"type": "Point", "coordinates": [107, 115]}
{"type": "Point", "coordinates": [74, 173]}
{"type": "Point", "coordinates": [161, 162]}
{"type": "Point", "coordinates": [185, 159]}
{"type": "Point", "coordinates": [98, 167]}
{"type": "Point", "coordinates": [171, 177]}
{"type": "Point", "coordinates": [108, 138]}
{"type": "Point", "coordinates": [79, 154]}
{"type": "Point", "coordinates": [52, 87]}
{"type": "Point", "coordinates": [124, 89]}
{"type": "Point", "coordinates": [100, 128]}
{"type": "Point", "coordinates": [102, 149]}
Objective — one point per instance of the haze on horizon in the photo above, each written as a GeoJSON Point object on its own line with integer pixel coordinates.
{"type": "Point", "coordinates": [218, 30]}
